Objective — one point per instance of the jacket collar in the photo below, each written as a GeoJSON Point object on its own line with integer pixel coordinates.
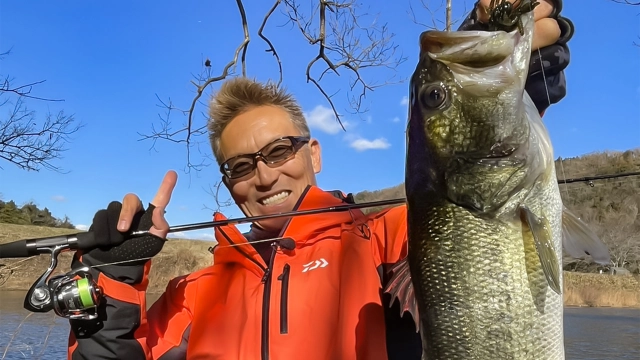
{"type": "Point", "coordinates": [303, 230]}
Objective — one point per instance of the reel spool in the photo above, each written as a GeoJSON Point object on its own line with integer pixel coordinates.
{"type": "Point", "coordinates": [75, 298]}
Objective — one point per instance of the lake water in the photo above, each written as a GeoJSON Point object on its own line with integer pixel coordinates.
{"type": "Point", "coordinates": [590, 333]}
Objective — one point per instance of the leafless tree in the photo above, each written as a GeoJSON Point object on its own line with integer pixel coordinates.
{"type": "Point", "coordinates": [214, 192]}
{"type": "Point", "coordinates": [433, 10]}
{"type": "Point", "coordinates": [345, 44]}
{"type": "Point", "coordinates": [25, 141]}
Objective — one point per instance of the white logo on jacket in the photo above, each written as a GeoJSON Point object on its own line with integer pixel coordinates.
{"type": "Point", "coordinates": [315, 264]}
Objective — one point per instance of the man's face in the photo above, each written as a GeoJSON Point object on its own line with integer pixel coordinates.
{"type": "Point", "coordinates": [275, 188]}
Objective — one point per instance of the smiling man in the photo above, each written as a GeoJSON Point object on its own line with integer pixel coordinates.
{"type": "Point", "coordinates": [273, 179]}
{"type": "Point", "coordinates": [305, 287]}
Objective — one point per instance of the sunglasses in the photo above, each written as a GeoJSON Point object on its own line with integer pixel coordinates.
{"type": "Point", "coordinates": [279, 150]}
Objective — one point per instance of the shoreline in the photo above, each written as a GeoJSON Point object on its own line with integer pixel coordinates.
{"type": "Point", "coordinates": [581, 290]}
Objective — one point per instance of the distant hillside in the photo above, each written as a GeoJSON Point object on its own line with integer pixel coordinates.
{"type": "Point", "coordinates": [610, 207]}
{"type": "Point", "coordinates": [30, 214]}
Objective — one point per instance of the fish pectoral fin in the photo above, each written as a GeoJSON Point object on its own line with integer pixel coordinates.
{"type": "Point", "coordinates": [541, 232]}
{"type": "Point", "coordinates": [401, 287]}
{"type": "Point", "coordinates": [578, 240]}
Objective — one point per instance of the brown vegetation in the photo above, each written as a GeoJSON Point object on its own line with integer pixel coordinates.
{"type": "Point", "coordinates": [601, 290]}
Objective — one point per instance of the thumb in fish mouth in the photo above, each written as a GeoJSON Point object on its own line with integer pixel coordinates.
{"type": "Point", "coordinates": [472, 48]}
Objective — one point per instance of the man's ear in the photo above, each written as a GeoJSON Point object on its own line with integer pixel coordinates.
{"type": "Point", "coordinates": [316, 156]}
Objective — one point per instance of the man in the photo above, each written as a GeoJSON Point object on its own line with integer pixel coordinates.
{"type": "Point", "coordinates": [306, 287]}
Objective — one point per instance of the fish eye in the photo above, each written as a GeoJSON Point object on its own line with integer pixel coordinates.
{"type": "Point", "coordinates": [433, 96]}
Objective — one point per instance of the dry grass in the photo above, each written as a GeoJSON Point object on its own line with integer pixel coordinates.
{"type": "Point", "coordinates": [601, 290]}
{"type": "Point", "coordinates": [178, 257]}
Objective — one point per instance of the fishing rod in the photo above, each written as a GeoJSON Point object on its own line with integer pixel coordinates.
{"type": "Point", "coordinates": [75, 295]}
{"type": "Point", "coordinates": [589, 179]}
{"type": "Point", "coordinates": [86, 240]}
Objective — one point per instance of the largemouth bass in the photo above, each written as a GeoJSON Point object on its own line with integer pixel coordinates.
{"type": "Point", "coordinates": [486, 224]}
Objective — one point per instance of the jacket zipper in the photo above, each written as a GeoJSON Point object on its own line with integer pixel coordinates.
{"type": "Point", "coordinates": [266, 279]}
{"type": "Point", "coordinates": [244, 253]}
{"type": "Point", "coordinates": [284, 277]}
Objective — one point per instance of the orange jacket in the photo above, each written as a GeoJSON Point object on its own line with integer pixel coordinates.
{"type": "Point", "coordinates": [320, 300]}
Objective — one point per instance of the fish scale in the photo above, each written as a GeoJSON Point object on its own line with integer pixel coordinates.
{"type": "Point", "coordinates": [479, 294]}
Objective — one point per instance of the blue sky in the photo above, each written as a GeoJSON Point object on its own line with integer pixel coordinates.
{"type": "Point", "coordinates": [108, 60]}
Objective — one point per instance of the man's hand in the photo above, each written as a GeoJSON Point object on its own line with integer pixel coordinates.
{"type": "Point", "coordinates": [125, 260]}
{"type": "Point", "coordinates": [131, 205]}
{"type": "Point", "coordinates": [546, 29]}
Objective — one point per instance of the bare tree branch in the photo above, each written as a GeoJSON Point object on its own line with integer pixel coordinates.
{"type": "Point", "coordinates": [354, 47]}
{"type": "Point", "coordinates": [432, 11]}
{"type": "Point", "coordinates": [165, 132]}
{"type": "Point", "coordinates": [633, 3]}
{"type": "Point", "coordinates": [271, 49]}
{"type": "Point", "coordinates": [214, 191]}
{"type": "Point", "coordinates": [626, 2]}
{"type": "Point", "coordinates": [23, 142]}
{"type": "Point", "coordinates": [448, 28]}
{"type": "Point", "coordinates": [30, 146]}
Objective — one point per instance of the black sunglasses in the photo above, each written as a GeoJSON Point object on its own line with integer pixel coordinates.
{"type": "Point", "coordinates": [279, 150]}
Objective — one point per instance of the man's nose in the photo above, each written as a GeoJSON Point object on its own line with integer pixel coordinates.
{"type": "Point", "coordinates": [265, 175]}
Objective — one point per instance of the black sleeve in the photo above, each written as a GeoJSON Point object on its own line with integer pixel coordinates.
{"type": "Point", "coordinates": [546, 83]}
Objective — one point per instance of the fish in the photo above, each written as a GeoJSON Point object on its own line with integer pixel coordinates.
{"type": "Point", "coordinates": [486, 225]}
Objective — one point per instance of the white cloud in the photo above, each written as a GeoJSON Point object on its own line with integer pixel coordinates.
{"type": "Point", "coordinates": [193, 235]}
{"type": "Point", "coordinates": [404, 101]}
{"type": "Point", "coordinates": [323, 119]}
{"type": "Point", "coordinates": [178, 235]}
{"type": "Point", "coordinates": [395, 119]}
{"type": "Point", "coordinates": [58, 198]}
{"type": "Point", "coordinates": [207, 236]}
{"type": "Point", "coordinates": [82, 227]}
{"type": "Point", "coordinates": [361, 144]}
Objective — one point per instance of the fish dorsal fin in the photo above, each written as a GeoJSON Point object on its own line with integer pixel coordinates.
{"type": "Point", "coordinates": [578, 240]}
{"type": "Point", "coordinates": [541, 232]}
{"type": "Point", "coordinates": [401, 287]}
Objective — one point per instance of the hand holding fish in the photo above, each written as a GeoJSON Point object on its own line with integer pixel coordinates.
{"type": "Point", "coordinates": [546, 29]}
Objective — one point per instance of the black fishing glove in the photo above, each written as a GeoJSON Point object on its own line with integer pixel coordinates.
{"type": "Point", "coordinates": [546, 83]}
{"type": "Point", "coordinates": [124, 258]}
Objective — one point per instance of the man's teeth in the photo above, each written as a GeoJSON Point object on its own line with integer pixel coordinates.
{"type": "Point", "coordinates": [275, 199]}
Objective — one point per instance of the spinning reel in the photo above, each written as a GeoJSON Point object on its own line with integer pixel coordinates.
{"type": "Point", "coordinates": [74, 295]}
